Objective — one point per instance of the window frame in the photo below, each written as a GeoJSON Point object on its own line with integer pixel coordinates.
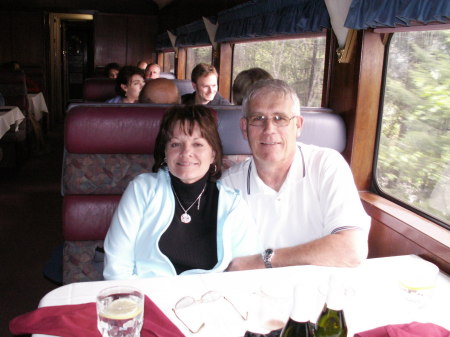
{"type": "Point", "coordinates": [386, 34]}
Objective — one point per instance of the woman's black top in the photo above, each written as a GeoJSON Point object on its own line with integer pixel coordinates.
{"type": "Point", "coordinates": [192, 245]}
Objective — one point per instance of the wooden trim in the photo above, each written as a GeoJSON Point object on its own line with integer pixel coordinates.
{"type": "Point", "coordinates": [226, 63]}
{"type": "Point", "coordinates": [397, 231]}
{"type": "Point", "coordinates": [160, 60]}
{"type": "Point", "coordinates": [181, 63]}
{"type": "Point", "coordinates": [367, 108]}
{"type": "Point", "coordinates": [418, 28]}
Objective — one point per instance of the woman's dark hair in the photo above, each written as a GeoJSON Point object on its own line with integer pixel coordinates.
{"type": "Point", "coordinates": [188, 116]}
{"type": "Point", "coordinates": [124, 77]}
{"type": "Point", "coordinates": [110, 66]}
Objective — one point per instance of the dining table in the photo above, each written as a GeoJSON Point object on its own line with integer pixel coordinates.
{"type": "Point", "coordinates": [261, 300]}
{"type": "Point", "coordinates": [10, 115]}
{"type": "Point", "coordinates": [37, 106]}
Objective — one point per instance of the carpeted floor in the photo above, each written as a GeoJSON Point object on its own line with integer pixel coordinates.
{"type": "Point", "coordinates": [30, 229]}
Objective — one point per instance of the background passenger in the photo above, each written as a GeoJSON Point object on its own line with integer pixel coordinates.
{"type": "Point", "coordinates": [112, 70]}
{"type": "Point", "coordinates": [152, 71]}
{"type": "Point", "coordinates": [179, 219]}
{"type": "Point", "coordinates": [204, 81]}
{"type": "Point", "coordinates": [244, 81]}
{"type": "Point", "coordinates": [160, 91]}
{"type": "Point", "coordinates": [32, 86]}
{"type": "Point", "coordinates": [303, 197]}
{"type": "Point", "coordinates": [142, 65]}
{"type": "Point", "coordinates": [129, 84]}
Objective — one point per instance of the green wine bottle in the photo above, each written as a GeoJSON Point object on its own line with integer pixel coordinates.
{"type": "Point", "coordinates": [331, 322]}
{"type": "Point", "coordinates": [298, 324]}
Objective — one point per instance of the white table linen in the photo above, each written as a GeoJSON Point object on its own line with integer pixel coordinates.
{"type": "Point", "coordinates": [36, 105]}
{"type": "Point", "coordinates": [377, 298]}
{"type": "Point", "coordinates": [12, 116]}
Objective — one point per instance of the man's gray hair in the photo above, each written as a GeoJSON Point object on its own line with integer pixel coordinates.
{"type": "Point", "coordinates": [271, 86]}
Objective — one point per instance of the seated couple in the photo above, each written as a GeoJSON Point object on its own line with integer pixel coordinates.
{"type": "Point", "coordinates": [290, 204]}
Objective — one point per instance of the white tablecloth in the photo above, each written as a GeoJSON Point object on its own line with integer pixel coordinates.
{"type": "Point", "coordinates": [9, 115]}
{"type": "Point", "coordinates": [377, 298]}
{"type": "Point", "coordinates": [36, 105]}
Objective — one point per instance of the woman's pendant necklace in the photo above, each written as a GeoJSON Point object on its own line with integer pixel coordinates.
{"type": "Point", "coordinates": [185, 217]}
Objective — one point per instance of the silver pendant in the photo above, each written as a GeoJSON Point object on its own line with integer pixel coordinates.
{"type": "Point", "coordinates": [185, 218]}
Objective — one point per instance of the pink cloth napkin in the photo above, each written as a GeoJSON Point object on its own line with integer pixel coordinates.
{"type": "Point", "coordinates": [414, 329]}
{"type": "Point", "coordinates": [81, 320]}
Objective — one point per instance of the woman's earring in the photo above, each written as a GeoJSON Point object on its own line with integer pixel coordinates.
{"type": "Point", "coordinates": [215, 169]}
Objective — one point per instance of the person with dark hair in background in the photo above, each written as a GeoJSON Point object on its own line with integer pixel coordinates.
{"type": "Point", "coordinates": [152, 71]}
{"type": "Point", "coordinates": [244, 81]}
{"type": "Point", "coordinates": [32, 86]}
{"type": "Point", "coordinates": [112, 70]}
{"type": "Point", "coordinates": [129, 84]}
{"type": "Point", "coordinates": [180, 219]}
{"type": "Point", "coordinates": [160, 91]}
{"type": "Point", "coordinates": [204, 80]}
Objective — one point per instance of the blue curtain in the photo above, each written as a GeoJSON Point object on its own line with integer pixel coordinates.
{"type": "Point", "coordinates": [264, 18]}
{"type": "Point", "coordinates": [391, 13]}
{"type": "Point", "coordinates": [192, 34]}
{"type": "Point", "coordinates": [163, 42]}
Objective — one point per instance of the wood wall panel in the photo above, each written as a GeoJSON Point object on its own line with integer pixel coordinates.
{"type": "Point", "coordinates": [110, 39]}
{"type": "Point", "coordinates": [397, 231]}
{"type": "Point", "coordinates": [125, 39]}
{"type": "Point", "coordinates": [141, 35]}
{"type": "Point", "coordinates": [5, 37]}
{"type": "Point", "coordinates": [23, 38]}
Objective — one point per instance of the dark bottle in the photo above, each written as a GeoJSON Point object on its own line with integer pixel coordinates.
{"type": "Point", "coordinates": [298, 324]}
{"type": "Point", "coordinates": [331, 322]}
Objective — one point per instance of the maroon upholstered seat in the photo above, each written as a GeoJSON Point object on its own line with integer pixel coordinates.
{"type": "Point", "coordinates": [98, 89]}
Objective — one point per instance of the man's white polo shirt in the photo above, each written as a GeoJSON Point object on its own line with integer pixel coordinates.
{"type": "Point", "coordinates": [318, 197]}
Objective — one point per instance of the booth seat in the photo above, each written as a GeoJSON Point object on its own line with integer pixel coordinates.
{"type": "Point", "coordinates": [108, 145]}
{"type": "Point", "coordinates": [98, 89]}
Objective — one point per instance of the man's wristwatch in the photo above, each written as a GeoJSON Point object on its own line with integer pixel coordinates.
{"type": "Point", "coordinates": [267, 257]}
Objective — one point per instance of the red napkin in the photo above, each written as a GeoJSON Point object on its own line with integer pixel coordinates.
{"type": "Point", "coordinates": [414, 329]}
{"type": "Point", "coordinates": [81, 320]}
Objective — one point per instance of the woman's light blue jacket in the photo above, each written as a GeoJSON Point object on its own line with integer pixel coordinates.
{"type": "Point", "coordinates": [144, 213]}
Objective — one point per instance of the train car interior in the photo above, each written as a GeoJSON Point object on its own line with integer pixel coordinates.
{"type": "Point", "coordinates": [372, 78]}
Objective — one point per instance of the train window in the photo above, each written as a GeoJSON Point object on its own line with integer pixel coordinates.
{"type": "Point", "coordinates": [195, 56]}
{"type": "Point", "coordinates": [413, 164]}
{"type": "Point", "coordinates": [169, 62]}
{"type": "Point", "coordinates": [299, 62]}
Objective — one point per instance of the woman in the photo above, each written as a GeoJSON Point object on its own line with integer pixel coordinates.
{"type": "Point", "coordinates": [180, 219]}
{"type": "Point", "coordinates": [129, 83]}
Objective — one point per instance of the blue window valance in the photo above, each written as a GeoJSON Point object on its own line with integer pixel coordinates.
{"type": "Point", "coordinates": [163, 42]}
{"type": "Point", "coordinates": [391, 13]}
{"type": "Point", "coordinates": [264, 18]}
{"type": "Point", "coordinates": [192, 34]}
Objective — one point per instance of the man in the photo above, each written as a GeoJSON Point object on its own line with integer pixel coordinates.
{"type": "Point", "coordinates": [160, 91]}
{"type": "Point", "coordinates": [152, 71]}
{"type": "Point", "coordinates": [304, 198]}
{"type": "Point", "coordinates": [204, 81]}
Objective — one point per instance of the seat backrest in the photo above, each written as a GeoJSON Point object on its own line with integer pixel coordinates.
{"type": "Point", "coordinates": [165, 74]}
{"type": "Point", "coordinates": [184, 86]}
{"type": "Point", "coordinates": [98, 89]}
{"type": "Point", "coordinates": [13, 88]}
{"type": "Point", "coordinates": [107, 145]}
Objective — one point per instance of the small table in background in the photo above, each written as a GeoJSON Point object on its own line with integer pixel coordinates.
{"type": "Point", "coordinates": [9, 115]}
{"type": "Point", "coordinates": [36, 105]}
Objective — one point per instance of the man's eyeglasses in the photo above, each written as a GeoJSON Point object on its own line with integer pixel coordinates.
{"type": "Point", "coordinates": [210, 296]}
{"type": "Point", "coordinates": [277, 120]}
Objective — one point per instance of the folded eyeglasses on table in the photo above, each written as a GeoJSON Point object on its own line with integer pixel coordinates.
{"type": "Point", "coordinates": [208, 297]}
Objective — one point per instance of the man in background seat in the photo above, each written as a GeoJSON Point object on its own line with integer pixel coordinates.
{"type": "Point", "coordinates": [204, 80]}
{"type": "Point", "coordinates": [303, 197]}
